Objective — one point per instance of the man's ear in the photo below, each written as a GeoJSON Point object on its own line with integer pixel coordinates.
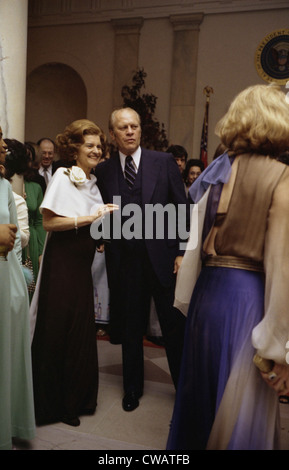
{"type": "Point", "coordinates": [111, 133]}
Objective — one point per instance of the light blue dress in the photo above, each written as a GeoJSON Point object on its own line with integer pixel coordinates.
{"type": "Point", "coordinates": [16, 391]}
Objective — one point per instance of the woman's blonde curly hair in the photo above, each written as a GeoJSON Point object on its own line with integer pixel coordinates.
{"type": "Point", "coordinates": [257, 121]}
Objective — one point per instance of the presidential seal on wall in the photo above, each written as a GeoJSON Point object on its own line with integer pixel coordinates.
{"type": "Point", "coordinates": [272, 57]}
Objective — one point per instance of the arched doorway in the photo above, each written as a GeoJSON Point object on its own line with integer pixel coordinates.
{"type": "Point", "coordinates": [55, 96]}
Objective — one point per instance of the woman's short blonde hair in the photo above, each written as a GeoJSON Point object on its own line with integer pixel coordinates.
{"type": "Point", "coordinates": [72, 138]}
{"type": "Point", "coordinates": [257, 121]}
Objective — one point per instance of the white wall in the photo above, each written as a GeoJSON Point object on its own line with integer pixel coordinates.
{"type": "Point", "coordinates": [227, 45]}
{"type": "Point", "coordinates": [89, 50]}
{"type": "Point", "coordinates": [155, 57]}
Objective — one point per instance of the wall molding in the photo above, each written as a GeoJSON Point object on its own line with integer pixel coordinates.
{"type": "Point", "coordinates": [59, 12]}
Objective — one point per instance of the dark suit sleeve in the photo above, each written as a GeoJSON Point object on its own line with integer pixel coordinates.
{"type": "Point", "coordinates": [101, 174]}
{"type": "Point", "coordinates": [180, 200]}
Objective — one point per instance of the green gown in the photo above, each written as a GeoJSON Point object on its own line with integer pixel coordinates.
{"type": "Point", "coordinates": [34, 198]}
{"type": "Point", "coordinates": [16, 390]}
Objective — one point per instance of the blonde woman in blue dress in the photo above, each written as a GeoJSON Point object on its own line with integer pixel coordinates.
{"type": "Point", "coordinates": [64, 350]}
{"type": "Point", "coordinates": [239, 305]}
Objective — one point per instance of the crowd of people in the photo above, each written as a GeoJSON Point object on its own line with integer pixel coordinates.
{"type": "Point", "coordinates": [81, 275]}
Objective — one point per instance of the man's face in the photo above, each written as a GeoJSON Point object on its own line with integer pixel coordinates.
{"type": "Point", "coordinates": [46, 150]}
{"type": "Point", "coordinates": [126, 132]}
{"type": "Point", "coordinates": [3, 148]}
{"type": "Point", "coordinates": [181, 162]}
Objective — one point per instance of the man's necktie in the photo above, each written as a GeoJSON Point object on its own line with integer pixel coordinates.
{"type": "Point", "coordinates": [46, 176]}
{"type": "Point", "coordinates": [129, 171]}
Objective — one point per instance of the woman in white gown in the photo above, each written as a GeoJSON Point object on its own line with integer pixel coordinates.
{"type": "Point", "coordinates": [64, 350]}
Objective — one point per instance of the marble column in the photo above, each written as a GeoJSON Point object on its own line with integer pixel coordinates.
{"type": "Point", "coordinates": [126, 51]}
{"type": "Point", "coordinates": [13, 51]}
{"type": "Point", "coordinates": [183, 84]}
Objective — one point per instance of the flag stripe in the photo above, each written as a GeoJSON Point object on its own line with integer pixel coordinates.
{"type": "Point", "coordinates": [204, 138]}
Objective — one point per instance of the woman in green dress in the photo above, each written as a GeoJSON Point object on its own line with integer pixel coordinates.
{"type": "Point", "coordinates": [17, 161]}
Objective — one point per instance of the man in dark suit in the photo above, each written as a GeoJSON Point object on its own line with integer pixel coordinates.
{"type": "Point", "coordinates": [145, 263]}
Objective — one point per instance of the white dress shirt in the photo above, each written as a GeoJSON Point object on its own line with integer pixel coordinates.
{"type": "Point", "coordinates": [46, 173]}
{"type": "Point", "coordinates": [135, 158]}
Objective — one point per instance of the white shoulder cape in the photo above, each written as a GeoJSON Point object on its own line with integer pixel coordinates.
{"type": "Point", "coordinates": [65, 199]}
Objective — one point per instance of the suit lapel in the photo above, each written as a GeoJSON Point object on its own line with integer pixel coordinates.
{"type": "Point", "coordinates": [113, 175]}
{"type": "Point", "coordinates": [150, 173]}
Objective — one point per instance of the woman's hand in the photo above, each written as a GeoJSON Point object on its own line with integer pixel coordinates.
{"type": "Point", "coordinates": [54, 223]}
{"type": "Point", "coordinates": [104, 210]}
{"type": "Point", "coordinates": [8, 235]}
{"type": "Point", "coordinates": [278, 378]}
{"type": "Point", "coordinates": [177, 264]}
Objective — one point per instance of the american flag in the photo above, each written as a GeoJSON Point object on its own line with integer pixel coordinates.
{"type": "Point", "coordinates": [204, 138]}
